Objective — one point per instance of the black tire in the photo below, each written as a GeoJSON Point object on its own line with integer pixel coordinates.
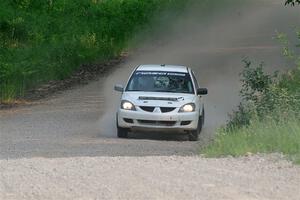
{"type": "Point", "coordinates": [122, 132]}
{"type": "Point", "coordinates": [203, 117]}
{"type": "Point", "coordinates": [194, 134]}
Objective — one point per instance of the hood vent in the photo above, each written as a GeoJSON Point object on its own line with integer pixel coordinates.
{"type": "Point", "coordinates": [159, 98]}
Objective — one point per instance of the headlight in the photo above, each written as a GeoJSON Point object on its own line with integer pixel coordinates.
{"type": "Point", "coordinates": [190, 107]}
{"type": "Point", "coordinates": [126, 105]}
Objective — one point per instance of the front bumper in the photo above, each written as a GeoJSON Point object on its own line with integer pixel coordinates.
{"type": "Point", "coordinates": [146, 121]}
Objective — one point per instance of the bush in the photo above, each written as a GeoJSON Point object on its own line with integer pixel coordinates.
{"type": "Point", "coordinates": [265, 96]}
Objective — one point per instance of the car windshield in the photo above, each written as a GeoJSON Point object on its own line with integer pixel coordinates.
{"type": "Point", "coordinates": [153, 81]}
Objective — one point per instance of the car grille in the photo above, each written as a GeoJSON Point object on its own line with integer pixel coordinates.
{"type": "Point", "coordinates": [157, 123]}
{"type": "Point", "coordinates": [162, 109]}
{"type": "Point", "coordinates": [147, 108]}
{"type": "Point", "coordinates": [166, 109]}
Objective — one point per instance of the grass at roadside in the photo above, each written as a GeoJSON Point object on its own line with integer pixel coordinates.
{"type": "Point", "coordinates": [259, 137]}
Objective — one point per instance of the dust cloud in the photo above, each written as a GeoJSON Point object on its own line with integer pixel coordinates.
{"type": "Point", "coordinates": [213, 45]}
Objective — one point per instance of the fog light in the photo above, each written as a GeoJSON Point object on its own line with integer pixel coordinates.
{"type": "Point", "coordinates": [185, 123]}
{"type": "Point", "coordinates": [130, 121]}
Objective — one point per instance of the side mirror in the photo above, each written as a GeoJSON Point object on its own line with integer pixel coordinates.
{"type": "Point", "coordinates": [202, 91]}
{"type": "Point", "coordinates": [119, 88]}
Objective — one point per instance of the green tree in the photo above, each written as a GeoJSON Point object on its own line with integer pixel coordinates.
{"type": "Point", "coordinates": [292, 2]}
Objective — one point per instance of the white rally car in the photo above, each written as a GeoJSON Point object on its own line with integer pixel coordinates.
{"type": "Point", "coordinates": [161, 98]}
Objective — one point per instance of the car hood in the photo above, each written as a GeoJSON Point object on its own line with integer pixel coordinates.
{"type": "Point", "coordinates": [164, 99]}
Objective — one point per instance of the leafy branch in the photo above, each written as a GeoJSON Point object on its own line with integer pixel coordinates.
{"type": "Point", "coordinates": [292, 2]}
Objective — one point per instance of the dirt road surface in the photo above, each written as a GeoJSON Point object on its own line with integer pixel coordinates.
{"type": "Point", "coordinates": [65, 147]}
{"type": "Point", "coordinates": [160, 177]}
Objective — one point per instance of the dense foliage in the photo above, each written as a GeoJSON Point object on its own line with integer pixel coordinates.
{"type": "Point", "coordinates": [46, 40]}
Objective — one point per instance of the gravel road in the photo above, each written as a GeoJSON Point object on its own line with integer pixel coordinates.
{"type": "Point", "coordinates": [160, 177]}
{"type": "Point", "coordinates": [65, 147]}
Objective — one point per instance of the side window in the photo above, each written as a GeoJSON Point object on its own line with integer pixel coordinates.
{"type": "Point", "coordinates": [195, 80]}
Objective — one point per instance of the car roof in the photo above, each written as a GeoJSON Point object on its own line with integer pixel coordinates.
{"type": "Point", "coordinates": [163, 67]}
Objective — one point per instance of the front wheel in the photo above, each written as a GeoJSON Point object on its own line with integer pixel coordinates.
{"type": "Point", "coordinates": [122, 132]}
{"type": "Point", "coordinates": [203, 116]}
{"type": "Point", "coordinates": [194, 134]}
